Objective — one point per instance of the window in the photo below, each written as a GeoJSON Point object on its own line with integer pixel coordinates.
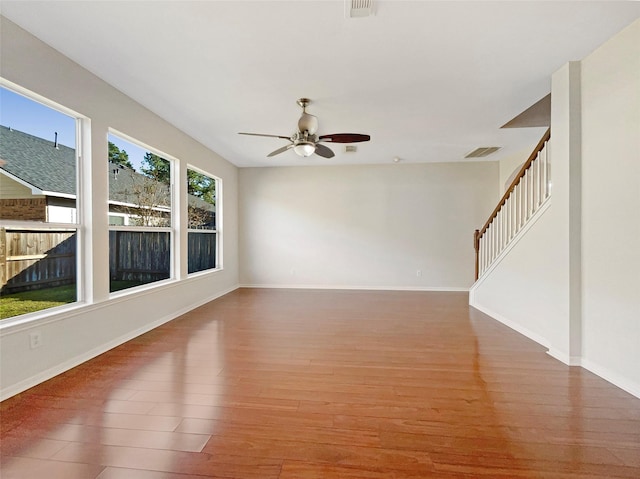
{"type": "Point", "coordinates": [38, 204]}
{"type": "Point", "coordinates": [140, 219]}
{"type": "Point", "coordinates": [202, 191]}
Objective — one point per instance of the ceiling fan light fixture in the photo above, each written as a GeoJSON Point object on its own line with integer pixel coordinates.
{"type": "Point", "coordinates": [304, 148]}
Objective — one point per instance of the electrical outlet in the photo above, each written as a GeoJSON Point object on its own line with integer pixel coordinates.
{"type": "Point", "coordinates": [35, 339]}
{"type": "Point", "coordinates": [418, 273]}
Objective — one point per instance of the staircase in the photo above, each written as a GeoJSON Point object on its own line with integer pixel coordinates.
{"type": "Point", "coordinates": [528, 193]}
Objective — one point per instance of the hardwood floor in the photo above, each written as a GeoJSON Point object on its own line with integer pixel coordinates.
{"type": "Point", "coordinates": [324, 384]}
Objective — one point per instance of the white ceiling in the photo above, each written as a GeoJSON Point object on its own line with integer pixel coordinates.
{"type": "Point", "coordinates": [429, 81]}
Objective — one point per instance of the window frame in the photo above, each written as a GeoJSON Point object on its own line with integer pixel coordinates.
{"type": "Point", "coordinates": [172, 229]}
{"type": "Point", "coordinates": [82, 205]}
{"type": "Point", "coordinates": [218, 229]}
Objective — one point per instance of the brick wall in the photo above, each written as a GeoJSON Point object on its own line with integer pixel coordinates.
{"type": "Point", "coordinates": [27, 209]}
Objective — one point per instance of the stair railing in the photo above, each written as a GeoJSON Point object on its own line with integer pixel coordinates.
{"type": "Point", "coordinates": [529, 190]}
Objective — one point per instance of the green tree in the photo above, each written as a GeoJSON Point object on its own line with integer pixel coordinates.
{"type": "Point", "coordinates": [118, 156]}
{"type": "Point", "coordinates": [198, 185]}
{"type": "Point", "coordinates": [201, 186]}
{"type": "Point", "coordinates": [156, 167]}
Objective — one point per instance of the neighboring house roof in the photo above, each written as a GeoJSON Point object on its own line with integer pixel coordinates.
{"type": "Point", "coordinates": [38, 163]}
{"type": "Point", "coordinates": [51, 170]}
{"type": "Point", "coordinates": [124, 182]}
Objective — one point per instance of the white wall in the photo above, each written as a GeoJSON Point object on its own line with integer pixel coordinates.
{"type": "Point", "coordinates": [87, 330]}
{"type": "Point", "coordinates": [364, 226]}
{"type": "Point", "coordinates": [573, 281]}
{"type": "Point", "coordinates": [611, 208]}
{"type": "Point", "coordinates": [511, 165]}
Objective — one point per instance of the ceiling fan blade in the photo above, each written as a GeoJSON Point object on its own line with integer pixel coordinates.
{"type": "Point", "coordinates": [270, 136]}
{"type": "Point", "coordinates": [344, 138]}
{"type": "Point", "coordinates": [280, 150]}
{"type": "Point", "coordinates": [324, 151]}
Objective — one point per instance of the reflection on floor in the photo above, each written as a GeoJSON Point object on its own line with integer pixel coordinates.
{"type": "Point", "coordinates": [324, 384]}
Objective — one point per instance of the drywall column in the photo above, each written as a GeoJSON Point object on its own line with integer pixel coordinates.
{"type": "Point", "coordinates": [575, 214]}
{"type": "Point", "coordinates": [566, 194]}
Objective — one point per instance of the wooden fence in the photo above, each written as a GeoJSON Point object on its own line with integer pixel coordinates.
{"type": "Point", "coordinates": [140, 256]}
{"type": "Point", "coordinates": [37, 259]}
{"type": "Point", "coordinates": [201, 251]}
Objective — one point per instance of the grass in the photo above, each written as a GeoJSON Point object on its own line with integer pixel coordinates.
{"type": "Point", "coordinates": [31, 301]}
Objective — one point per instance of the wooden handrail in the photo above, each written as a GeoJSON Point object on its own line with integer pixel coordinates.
{"type": "Point", "coordinates": [477, 235]}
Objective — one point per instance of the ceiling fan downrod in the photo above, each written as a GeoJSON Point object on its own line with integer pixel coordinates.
{"type": "Point", "coordinates": [303, 103]}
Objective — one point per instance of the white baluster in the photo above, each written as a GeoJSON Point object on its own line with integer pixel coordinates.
{"type": "Point", "coordinates": [523, 197]}
{"type": "Point", "coordinates": [494, 242]}
{"type": "Point", "coordinates": [488, 234]}
{"type": "Point", "coordinates": [516, 204]}
{"type": "Point", "coordinates": [498, 227]}
{"type": "Point", "coordinates": [503, 228]}
{"type": "Point", "coordinates": [542, 174]}
{"type": "Point", "coordinates": [525, 200]}
{"type": "Point", "coordinates": [499, 218]}
{"type": "Point", "coordinates": [547, 175]}
{"type": "Point", "coordinates": [532, 189]}
{"type": "Point", "coordinates": [549, 172]}
{"type": "Point", "coordinates": [535, 167]}
{"type": "Point", "coordinates": [484, 251]}
{"type": "Point", "coordinates": [511, 218]}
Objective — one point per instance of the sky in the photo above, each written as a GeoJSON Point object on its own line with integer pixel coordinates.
{"type": "Point", "coordinates": [26, 115]}
{"type": "Point", "coordinates": [136, 154]}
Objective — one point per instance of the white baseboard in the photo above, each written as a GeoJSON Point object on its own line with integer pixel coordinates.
{"type": "Point", "coordinates": [103, 348]}
{"type": "Point", "coordinates": [565, 358]}
{"type": "Point", "coordinates": [351, 287]}
{"type": "Point", "coordinates": [513, 325]}
{"type": "Point", "coordinates": [623, 383]}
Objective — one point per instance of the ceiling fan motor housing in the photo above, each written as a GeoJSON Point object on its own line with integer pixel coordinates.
{"type": "Point", "coordinates": [308, 123]}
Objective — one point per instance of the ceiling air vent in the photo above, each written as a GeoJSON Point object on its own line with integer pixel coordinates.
{"type": "Point", "coordinates": [482, 152]}
{"type": "Point", "coordinates": [359, 8]}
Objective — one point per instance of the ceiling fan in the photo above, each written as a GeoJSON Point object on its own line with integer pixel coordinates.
{"type": "Point", "coordinates": [306, 142]}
